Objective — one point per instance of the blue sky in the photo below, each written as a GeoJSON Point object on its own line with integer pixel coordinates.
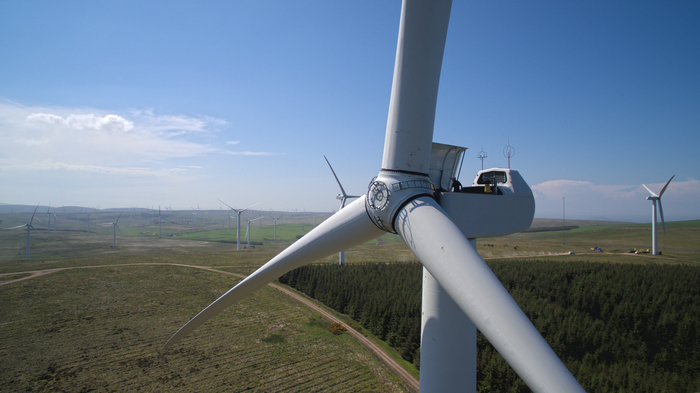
{"type": "Point", "coordinates": [177, 103]}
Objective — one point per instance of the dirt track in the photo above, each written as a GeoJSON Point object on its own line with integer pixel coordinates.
{"type": "Point", "coordinates": [410, 382]}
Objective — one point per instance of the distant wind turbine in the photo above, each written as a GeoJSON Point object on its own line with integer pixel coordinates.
{"type": "Point", "coordinates": [29, 227]}
{"type": "Point", "coordinates": [48, 213]}
{"type": "Point", "coordinates": [229, 224]}
{"type": "Point", "coordinates": [115, 226]}
{"type": "Point", "coordinates": [247, 231]}
{"type": "Point", "coordinates": [654, 198]}
{"type": "Point", "coordinates": [238, 224]}
{"type": "Point", "coordinates": [343, 197]}
{"type": "Point", "coordinates": [88, 218]}
{"type": "Point", "coordinates": [275, 220]}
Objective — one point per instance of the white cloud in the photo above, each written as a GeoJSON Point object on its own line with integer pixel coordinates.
{"type": "Point", "coordinates": [232, 142]}
{"type": "Point", "coordinates": [177, 124]}
{"type": "Point", "coordinates": [122, 171]}
{"type": "Point", "coordinates": [248, 153]}
{"type": "Point", "coordinates": [90, 140]}
{"type": "Point", "coordinates": [32, 142]}
{"type": "Point", "coordinates": [109, 123]}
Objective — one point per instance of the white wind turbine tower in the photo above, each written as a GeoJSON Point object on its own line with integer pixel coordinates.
{"type": "Point", "coordinates": [160, 220]}
{"type": "Point", "coordinates": [115, 226]}
{"type": "Point", "coordinates": [275, 230]}
{"type": "Point", "coordinates": [88, 218]}
{"type": "Point", "coordinates": [460, 293]}
{"type": "Point", "coordinates": [229, 224]}
{"type": "Point", "coordinates": [48, 213]}
{"type": "Point", "coordinates": [29, 227]}
{"type": "Point", "coordinates": [343, 197]}
{"type": "Point", "coordinates": [238, 224]}
{"type": "Point", "coordinates": [654, 199]}
{"type": "Point", "coordinates": [160, 223]}
{"type": "Point", "coordinates": [247, 231]}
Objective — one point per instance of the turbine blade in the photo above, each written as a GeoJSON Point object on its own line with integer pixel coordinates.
{"type": "Point", "coordinates": [38, 233]}
{"type": "Point", "coordinates": [664, 189]}
{"type": "Point", "coordinates": [650, 191]}
{"type": "Point", "coordinates": [32, 219]}
{"type": "Point", "coordinates": [342, 191]}
{"type": "Point", "coordinates": [349, 227]}
{"type": "Point", "coordinates": [225, 204]}
{"type": "Point", "coordinates": [118, 217]}
{"type": "Point", "coordinates": [18, 226]}
{"type": "Point", "coordinates": [661, 211]}
{"type": "Point", "coordinates": [120, 230]}
{"type": "Point", "coordinates": [450, 258]}
{"type": "Point", "coordinates": [409, 129]}
{"type": "Point", "coordinates": [257, 203]}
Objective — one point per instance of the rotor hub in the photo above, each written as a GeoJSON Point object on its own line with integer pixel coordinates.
{"type": "Point", "coordinates": [390, 191]}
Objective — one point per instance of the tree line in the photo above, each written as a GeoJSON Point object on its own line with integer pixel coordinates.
{"type": "Point", "coordinates": [617, 327]}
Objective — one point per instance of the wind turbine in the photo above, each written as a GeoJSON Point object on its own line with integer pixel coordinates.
{"type": "Point", "coordinates": [654, 198]}
{"type": "Point", "coordinates": [238, 224]}
{"type": "Point", "coordinates": [460, 292]}
{"type": "Point", "coordinates": [343, 197]}
{"type": "Point", "coordinates": [115, 227]}
{"type": "Point", "coordinates": [29, 227]}
{"type": "Point", "coordinates": [88, 218]}
{"type": "Point", "coordinates": [48, 213]}
{"type": "Point", "coordinates": [193, 214]}
{"type": "Point", "coordinates": [160, 223]}
{"type": "Point", "coordinates": [275, 220]}
{"type": "Point", "coordinates": [229, 224]}
{"type": "Point", "coordinates": [247, 231]}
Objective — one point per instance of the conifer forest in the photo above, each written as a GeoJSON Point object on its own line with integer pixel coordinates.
{"type": "Point", "coordinates": [617, 327]}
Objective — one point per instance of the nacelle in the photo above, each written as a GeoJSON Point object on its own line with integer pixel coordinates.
{"type": "Point", "coordinates": [498, 203]}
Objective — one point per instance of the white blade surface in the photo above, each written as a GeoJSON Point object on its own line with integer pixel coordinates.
{"type": "Point", "coordinates": [342, 191]}
{"type": "Point", "coordinates": [37, 232]}
{"type": "Point", "coordinates": [18, 226]}
{"type": "Point", "coordinates": [650, 191]}
{"type": "Point", "coordinates": [664, 189]}
{"type": "Point", "coordinates": [349, 227]}
{"type": "Point", "coordinates": [661, 211]}
{"type": "Point", "coordinates": [460, 270]}
{"type": "Point", "coordinates": [409, 128]}
{"type": "Point", "coordinates": [32, 219]}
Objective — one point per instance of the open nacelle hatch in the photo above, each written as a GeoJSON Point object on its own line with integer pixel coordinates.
{"type": "Point", "coordinates": [499, 201]}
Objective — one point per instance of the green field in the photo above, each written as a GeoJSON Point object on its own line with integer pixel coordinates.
{"type": "Point", "coordinates": [102, 328]}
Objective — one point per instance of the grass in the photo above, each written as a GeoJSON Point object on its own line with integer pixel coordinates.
{"type": "Point", "coordinates": [10, 277]}
{"type": "Point", "coordinates": [103, 329]}
{"type": "Point", "coordinates": [680, 245]}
